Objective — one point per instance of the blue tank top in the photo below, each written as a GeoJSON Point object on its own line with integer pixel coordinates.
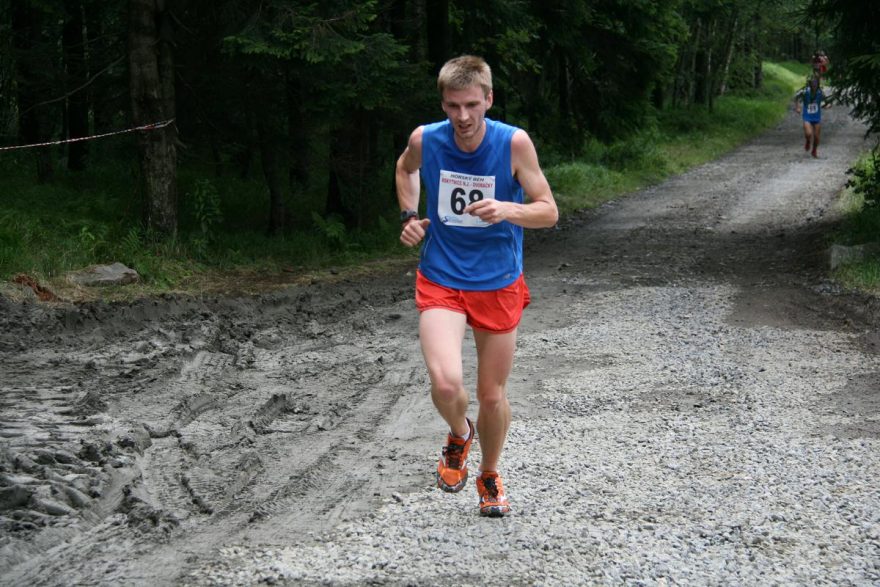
{"type": "Point", "coordinates": [812, 110]}
{"type": "Point", "coordinates": [460, 251]}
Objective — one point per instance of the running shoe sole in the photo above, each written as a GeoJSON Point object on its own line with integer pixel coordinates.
{"type": "Point", "coordinates": [495, 511]}
{"type": "Point", "coordinates": [451, 488]}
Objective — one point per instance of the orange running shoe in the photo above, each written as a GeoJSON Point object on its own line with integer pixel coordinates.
{"type": "Point", "coordinates": [452, 470]}
{"type": "Point", "coordinates": [493, 502]}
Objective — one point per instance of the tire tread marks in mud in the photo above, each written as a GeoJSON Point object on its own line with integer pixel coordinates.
{"type": "Point", "coordinates": [277, 405]}
{"type": "Point", "coordinates": [267, 416]}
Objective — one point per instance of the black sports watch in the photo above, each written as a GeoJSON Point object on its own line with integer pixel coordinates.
{"type": "Point", "coordinates": [407, 214]}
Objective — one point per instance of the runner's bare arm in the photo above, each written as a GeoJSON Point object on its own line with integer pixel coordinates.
{"type": "Point", "coordinates": [540, 211]}
{"type": "Point", "coordinates": [406, 177]}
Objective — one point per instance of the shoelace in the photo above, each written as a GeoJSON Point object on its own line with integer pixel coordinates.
{"type": "Point", "coordinates": [491, 488]}
{"type": "Point", "coordinates": [452, 455]}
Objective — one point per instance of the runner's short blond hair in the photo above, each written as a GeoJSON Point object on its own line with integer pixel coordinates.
{"type": "Point", "coordinates": [463, 72]}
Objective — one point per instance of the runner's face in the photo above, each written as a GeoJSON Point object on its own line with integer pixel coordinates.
{"type": "Point", "coordinates": [466, 110]}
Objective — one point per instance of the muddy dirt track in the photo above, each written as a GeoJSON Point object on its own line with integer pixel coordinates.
{"type": "Point", "coordinates": [694, 402]}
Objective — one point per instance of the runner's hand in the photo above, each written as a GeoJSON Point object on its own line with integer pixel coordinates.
{"type": "Point", "coordinates": [414, 231]}
{"type": "Point", "coordinates": [491, 211]}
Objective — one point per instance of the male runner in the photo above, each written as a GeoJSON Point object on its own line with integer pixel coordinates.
{"type": "Point", "coordinates": [475, 172]}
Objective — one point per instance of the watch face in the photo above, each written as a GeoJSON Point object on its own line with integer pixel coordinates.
{"type": "Point", "coordinates": [407, 214]}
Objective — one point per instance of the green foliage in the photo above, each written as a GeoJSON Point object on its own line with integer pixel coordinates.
{"type": "Point", "coordinates": [865, 181]}
{"type": "Point", "coordinates": [11, 246]}
{"type": "Point", "coordinates": [579, 185]}
{"type": "Point", "coordinates": [92, 239]}
{"type": "Point", "coordinates": [855, 54]}
{"type": "Point", "coordinates": [637, 152]}
{"type": "Point", "coordinates": [315, 32]}
{"type": "Point", "coordinates": [207, 206]}
{"type": "Point", "coordinates": [861, 223]}
{"type": "Point", "coordinates": [131, 244]}
{"type": "Point", "coordinates": [48, 230]}
{"type": "Point", "coordinates": [599, 63]}
{"type": "Point", "coordinates": [331, 228]}
{"type": "Point", "coordinates": [788, 74]}
{"type": "Point", "coordinates": [331, 47]}
{"type": "Point", "coordinates": [864, 275]}
{"type": "Point", "coordinates": [333, 80]}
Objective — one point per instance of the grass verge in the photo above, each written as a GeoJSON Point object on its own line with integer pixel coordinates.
{"type": "Point", "coordinates": [861, 225]}
{"type": "Point", "coordinates": [679, 140]}
{"type": "Point", "coordinates": [92, 217]}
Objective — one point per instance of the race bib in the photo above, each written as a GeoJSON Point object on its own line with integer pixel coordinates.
{"type": "Point", "coordinates": [812, 108]}
{"type": "Point", "coordinates": [459, 190]}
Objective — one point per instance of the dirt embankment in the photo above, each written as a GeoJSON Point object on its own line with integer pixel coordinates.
{"type": "Point", "coordinates": [694, 402]}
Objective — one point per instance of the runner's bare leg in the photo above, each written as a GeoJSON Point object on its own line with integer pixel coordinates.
{"type": "Point", "coordinates": [808, 131]}
{"type": "Point", "coordinates": [441, 333]}
{"type": "Point", "coordinates": [495, 360]}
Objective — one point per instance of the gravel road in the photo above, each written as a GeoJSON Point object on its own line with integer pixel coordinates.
{"type": "Point", "coordinates": [694, 403]}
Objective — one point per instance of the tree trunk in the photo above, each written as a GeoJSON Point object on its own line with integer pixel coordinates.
{"type": "Point", "coordinates": [710, 67]}
{"type": "Point", "coordinates": [269, 159]}
{"type": "Point", "coordinates": [344, 170]}
{"type": "Point", "coordinates": [352, 193]}
{"type": "Point", "coordinates": [563, 87]}
{"type": "Point", "coordinates": [703, 66]}
{"type": "Point", "coordinates": [679, 84]}
{"type": "Point", "coordinates": [658, 95]}
{"type": "Point", "coordinates": [151, 80]}
{"type": "Point", "coordinates": [404, 26]}
{"type": "Point", "coordinates": [373, 199]}
{"type": "Point", "coordinates": [166, 62]}
{"type": "Point", "coordinates": [419, 50]}
{"type": "Point", "coordinates": [728, 56]}
{"type": "Point", "coordinates": [334, 204]}
{"type": "Point", "coordinates": [30, 58]}
{"type": "Point", "coordinates": [758, 72]}
{"type": "Point", "coordinates": [690, 82]}
{"type": "Point", "coordinates": [297, 133]}
{"type": "Point", "coordinates": [73, 44]}
{"type": "Point", "coordinates": [437, 16]}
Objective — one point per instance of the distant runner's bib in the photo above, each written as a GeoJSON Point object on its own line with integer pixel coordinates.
{"type": "Point", "coordinates": [459, 190]}
{"type": "Point", "coordinates": [813, 105]}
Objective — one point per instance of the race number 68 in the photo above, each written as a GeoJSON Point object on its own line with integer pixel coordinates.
{"type": "Point", "coordinates": [458, 201]}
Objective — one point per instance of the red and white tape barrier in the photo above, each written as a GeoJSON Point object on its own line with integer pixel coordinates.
{"type": "Point", "coordinates": [153, 126]}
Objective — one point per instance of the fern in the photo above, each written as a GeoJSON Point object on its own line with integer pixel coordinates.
{"type": "Point", "coordinates": [207, 207]}
{"type": "Point", "coordinates": [331, 228]}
